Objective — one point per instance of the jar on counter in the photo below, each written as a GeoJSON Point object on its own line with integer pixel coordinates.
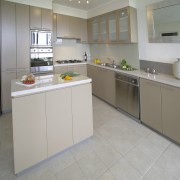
{"type": "Point", "coordinates": [176, 69]}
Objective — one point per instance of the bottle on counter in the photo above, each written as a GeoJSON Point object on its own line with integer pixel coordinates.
{"type": "Point", "coordinates": [85, 56]}
{"type": "Point", "coordinates": [176, 68]}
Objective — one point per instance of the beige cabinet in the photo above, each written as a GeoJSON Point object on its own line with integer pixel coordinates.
{"type": "Point", "coordinates": [81, 69]}
{"type": "Point", "coordinates": [60, 69]}
{"type": "Point", "coordinates": [171, 112]}
{"type": "Point", "coordinates": [29, 131]}
{"type": "Point", "coordinates": [127, 25]}
{"type": "Point", "coordinates": [68, 26]}
{"type": "Point", "coordinates": [22, 36]}
{"type": "Point", "coordinates": [150, 101]}
{"type": "Point", "coordinates": [82, 112]}
{"type": "Point", "coordinates": [40, 18]}
{"type": "Point", "coordinates": [103, 83]}
{"type": "Point", "coordinates": [15, 47]}
{"type": "Point", "coordinates": [6, 77]}
{"type": "Point", "coordinates": [8, 49]}
{"type": "Point", "coordinates": [112, 27]}
{"type": "Point", "coordinates": [119, 26]}
{"type": "Point", "coordinates": [84, 35]}
{"type": "Point", "coordinates": [59, 120]}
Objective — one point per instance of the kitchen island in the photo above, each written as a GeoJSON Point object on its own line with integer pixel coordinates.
{"type": "Point", "coordinates": [49, 117]}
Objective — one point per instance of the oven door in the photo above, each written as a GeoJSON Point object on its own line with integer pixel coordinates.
{"type": "Point", "coordinates": [44, 38]}
{"type": "Point", "coordinates": [41, 63]}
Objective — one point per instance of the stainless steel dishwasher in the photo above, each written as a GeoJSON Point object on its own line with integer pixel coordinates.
{"type": "Point", "coordinates": [127, 94]}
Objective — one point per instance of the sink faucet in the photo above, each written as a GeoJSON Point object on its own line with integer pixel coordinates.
{"type": "Point", "coordinates": [111, 60]}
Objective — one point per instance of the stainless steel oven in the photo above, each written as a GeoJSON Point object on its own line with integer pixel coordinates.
{"type": "Point", "coordinates": [127, 94]}
{"type": "Point", "coordinates": [41, 60]}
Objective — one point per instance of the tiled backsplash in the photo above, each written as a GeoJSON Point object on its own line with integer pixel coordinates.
{"type": "Point", "coordinates": [160, 67]}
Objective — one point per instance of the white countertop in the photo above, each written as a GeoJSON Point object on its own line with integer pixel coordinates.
{"type": "Point", "coordinates": [45, 83]}
{"type": "Point", "coordinates": [161, 78]}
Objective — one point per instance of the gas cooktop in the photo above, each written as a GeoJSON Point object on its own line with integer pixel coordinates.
{"type": "Point", "coordinates": [69, 61]}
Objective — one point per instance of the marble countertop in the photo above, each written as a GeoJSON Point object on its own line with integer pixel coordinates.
{"type": "Point", "coordinates": [161, 78]}
{"type": "Point", "coordinates": [45, 83]}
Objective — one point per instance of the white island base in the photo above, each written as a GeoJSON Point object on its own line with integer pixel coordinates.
{"type": "Point", "coordinates": [48, 122]}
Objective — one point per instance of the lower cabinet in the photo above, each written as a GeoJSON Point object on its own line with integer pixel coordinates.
{"type": "Point", "coordinates": [7, 76]}
{"type": "Point", "coordinates": [59, 120]}
{"type": "Point", "coordinates": [29, 131]}
{"type": "Point", "coordinates": [150, 101]}
{"type": "Point", "coordinates": [103, 83]}
{"type": "Point", "coordinates": [47, 123]}
{"type": "Point", "coordinates": [171, 112]}
{"type": "Point", "coordinates": [160, 108]}
{"type": "Point", "coordinates": [82, 112]}
{"type": "Point", "coordinates": [81, 69]}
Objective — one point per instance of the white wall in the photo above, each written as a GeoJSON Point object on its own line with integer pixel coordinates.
{"type": "Point", "coordinates": [70, 49]}
{"type": "Point", "coordinates": [116, 52]}
{"type": "Point", "coordinates": [161, 52]}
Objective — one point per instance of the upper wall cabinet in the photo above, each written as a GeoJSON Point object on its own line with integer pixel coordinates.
{"type": "Point", "coordinates": [40, 18]}
{"type": "Point", "coordinates": [69, 27]}
{"type": "Point", "coordinates": [119, 26]}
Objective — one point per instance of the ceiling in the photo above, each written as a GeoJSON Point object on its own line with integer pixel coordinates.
{"type": "Point", "coordinates": [83, 5]}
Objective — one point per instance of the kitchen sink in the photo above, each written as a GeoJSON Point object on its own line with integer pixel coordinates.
{"type": "Point", "coordinates": [110, 65]}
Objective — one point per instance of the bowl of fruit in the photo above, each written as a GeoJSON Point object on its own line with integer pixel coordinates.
{"type": "Point", "coordinates": [28, 79]}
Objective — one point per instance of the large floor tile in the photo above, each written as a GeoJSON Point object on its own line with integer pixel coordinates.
{"type": "Point", "coordinates": [157, 173]}
{"type": "Point", "coordinates": [108, 155]}
{"type": "Point", "coordinates": [92, 166]}
{"type": "Point", "coordinates": [106, 176]}
{"type": "Point", "coordinates": [72, 172]}
{"type": "Point", "coordinates": [126, 141]}
{"type": "Point", "coordinates": [122, 170]}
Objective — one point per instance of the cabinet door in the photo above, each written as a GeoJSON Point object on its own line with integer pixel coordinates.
{"type": "Point", "coordinates": [103, 28]}
{"type": "Point", "coordinates": [108, 86]}
{"type": "Point", "coordinates": [22, 72]}
{"type": "Point", "coordinates": [75, 27]}
{"type": "Point", "coordinates": [82, 112]}
{"type": "Point", "coordinates": [54, 27]}
{"type": "Point", "coordinates": [82, 69]}
{"type": "Point", "coordinates": [7, 76]}
{"type": "Point", "coordinates": [123, 21]}
{"type": "Point", "coordinates": [35, 17]}
{"type": "Point", "coordinates": [29, 132]}
{"type": "Point", "coordinates": [95, 29]}
{"type": "Point", "coordinates": [84, 36]}
{"type": "Point", "coordinates": [171, 112]}
{"type": "Point", "coordinates": [112, 27]}
{"type": "Point", "coordinates": [60, 69]}
{"type": "Point", "coordinates": [22, 32]}
{"type": "Point", "coordinates": [47, 19]}
{"type": "Point", "coordinates": [8, 50]}
{"type": "Point", "coordinates": [62, 25]}
{"type": "Point", "coordinates": [150, 102]}
{"type": "Point", "coordinates": [59, 120]}
{"type": "Point", "coordinates": [73, 68]}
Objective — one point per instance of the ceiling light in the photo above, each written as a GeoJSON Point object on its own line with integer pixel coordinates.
{"type": "Point", "coordinates": [79, 2]}
{"type": "Point", "coordinates": [87, 2]}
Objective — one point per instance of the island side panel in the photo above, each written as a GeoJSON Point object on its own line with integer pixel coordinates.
{"type": "Point", "coordinates": [82, 112]}
{"type": "Point", "coordinates": [29, 131]}
{"type": "Point", "coordinates": [59, 120]}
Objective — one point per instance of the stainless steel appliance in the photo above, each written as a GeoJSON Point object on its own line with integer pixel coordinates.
{"type": "Point", "coordinates": [41, 60]}
{"type": "Point", "coordinates": [41, 38]}
{"type": "Point", "coordinates": [69, 61]}
{"type": "Point", "coordinates": [127, 94]}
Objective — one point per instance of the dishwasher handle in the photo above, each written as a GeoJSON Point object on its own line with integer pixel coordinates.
{"type": "Point", "coordinates": [132, 82]}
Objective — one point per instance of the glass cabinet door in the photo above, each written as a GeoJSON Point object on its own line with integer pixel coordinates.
{"type": "Point", "coordinates": [103, 28]}
{"type": "Point", "coordinates": [112, 26]}
{"type": "Point", "coordinates": [95, 30]}
{"type": "Point", "coordinates": [123, 19]}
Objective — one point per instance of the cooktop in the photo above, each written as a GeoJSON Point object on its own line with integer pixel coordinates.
{"type": "Point", "coordinates": [68, 61]}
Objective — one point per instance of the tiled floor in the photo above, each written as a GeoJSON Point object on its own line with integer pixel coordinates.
{"type": "Point", "coordinates": [120, 149]}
